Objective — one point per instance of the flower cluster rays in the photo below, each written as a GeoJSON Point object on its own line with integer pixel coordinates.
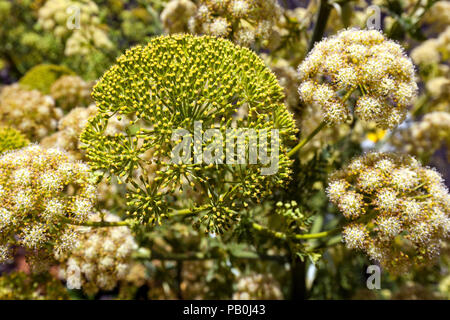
{"type": "Point", "coordinates": [172, 83]}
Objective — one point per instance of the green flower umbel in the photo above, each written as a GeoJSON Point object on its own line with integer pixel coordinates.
{"type": "Point", "coordinates": [11, 139]}
{"type": "Point", "coordinates": [182, 82]}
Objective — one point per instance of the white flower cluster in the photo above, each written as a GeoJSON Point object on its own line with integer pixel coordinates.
{"type": "Point", "coordinates": [399, 210]}
{"type": "Point", "coordinates": [245, 20]}
{"type": "Point", "coordinates": [28, 111]}
{"type": "Point", "coordinates": [77, 22]}
{"type": "Point", "coordinates": [33, 204]}
{"type": "Point", "coordinates": [434, 50]}
{"type": "Point", "coordinates": [257, 286]}
{"type": "Point", "coordinates": [424, 137]}
{"type": "Point", "coordinates": [56, 15]}
{"type": "Point", "coordinates": [101, 259]}
{"type": "Point", "coordinates": [86, 40]}
{"type": "Point", "coordinates": [438, 15]}
{"type": "Point", "coordinates": [361, 61]}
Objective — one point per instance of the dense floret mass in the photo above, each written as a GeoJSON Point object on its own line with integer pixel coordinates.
{"type": "Point", "coordinates": [39, 189]}
{"type": "Point", "coordinates": [11, 139]}
{"type": "Point", "coordinates": [361, 61]}
{"type": "Point", "coordinates": [243, 21]}
{"type": "Point", "coordinates": [28, 111]}
{"type": "Point", "coordinates": [102, 257]}
{"type": "Point", "coordinates": [69, 130]}
{"type": "Point", "coordinates": [180, 82]}
{"type": "Point", "coordinates": [399, 210]}
{"type": "Point", "coordinates": [70, 92]}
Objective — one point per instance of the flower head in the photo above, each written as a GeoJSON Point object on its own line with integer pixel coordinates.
{"type": "Point", "coordinates": [178, 86]}
{"type": "Point", "coordinates": [94, 264]}
{"type": "Point", "coordinates": [361, 61]}
{"type": "Point", "coordinates": [395, 208]}
{"type": "Point", "coordinates": [11, 139]}
{"type": "Point", "coordinates": [33, 202]}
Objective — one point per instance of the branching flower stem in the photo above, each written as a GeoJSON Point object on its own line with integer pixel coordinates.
{"type": "Point", "coordinates": [317, 129]}
{"type": "Point", "coordinates": [307, 139]}
{"type": "Point", "coordinates": [128, 222]}
{"type": "Point", "coordinates": [308, 236]}
{"type": "Point", "coordinates": [283, 236]}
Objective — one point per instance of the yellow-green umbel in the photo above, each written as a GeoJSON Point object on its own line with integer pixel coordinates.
{"type": "Point", "coordinates": [11, 139]}
{"type": "Point", "coordinates": [42, 76]}
{"type": "Point", "coordinates": [179, 82]}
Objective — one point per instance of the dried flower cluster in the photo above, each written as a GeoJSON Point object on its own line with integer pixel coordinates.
{"type": "Point", "coordinates": [28, 111]}
{"type": "Point", "coordinates": [101, 258]}
{"type": "Point", "coordinates": [85, 31]}
{"type": "Point", "coordinates": [70, 92]}
{"type": "Point", "coordinates": [11, 139]}
{"type": "Point", "coordinates": [176, 15]}
{"type": "Point", "coordinates": [438, 15]}
{"type": "Point", "coordinates": [169, 84]}
{"type": "Point", "coordinates": [34, 201]}
{"type": "Point", "coordinates": [399, 209]}
{"type": "Point", "coordinates": [363, 61]}
{"type": "Point", "coordinates": [69, 130]}
{"type": "Point", "coordinates": [433, 50]}
{"type": "Point", "coordinates": [257, 287]}
{"type": "Point", "coordinates": [243, 21]}
{"type": "Point", "coordinates": [424, 137]}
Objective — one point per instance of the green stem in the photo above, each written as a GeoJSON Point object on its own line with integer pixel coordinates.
{"type": "Point", "coordinates": [97, 224]}
{"type": "Point", "coordinates": [321, 23]}
{"type": "Point", "coordinates": [318, 128]}
{"type": "Point", "coordinates": [421, 102]}
{"type": "Point", "coordinates": [306, 140]}
{"type": "Point", "coordinates": [308, 236]}
{"type": "Point", "coordinates": [283, 236]}
{"type": "Point", "coordinates": [128, 222]}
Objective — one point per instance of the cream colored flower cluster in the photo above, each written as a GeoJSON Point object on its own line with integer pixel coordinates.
{"type": "Point", "coordinates": [75, 21]}
{"type": "Point", "coordinates": [101, 259]}
{"type": "Point", "coordinates": [434, 50]}
{"type": "Point", "coordinates": [70, 92]}
{"type": "Point", "coordinates": [244, 21]}
{"type": "Point", "coordinates": [69, 130]}
{"type": "Point", "coordinates": [176, 15]}
{"type": "Point", "coordinates": [58, 15]}
{"type": "Point", "coordinates": [399, 210]}
{"type": "Point", "coordinates": [86, 40]}
{"type": "Point", "coordinates": [438, 15]}
{"type": "Point", "coordinates": [34, 202]}
{"type": "Point", "coordinates": [256, 286]}
{"type": "Point", "coordinates": [28, 111]}
{"type": "Point", "coordinates": [362, 61]}
{"type": "Point", "coordinates": [424, 137]}
{"type": "Point", "coordinates": [438, 90]}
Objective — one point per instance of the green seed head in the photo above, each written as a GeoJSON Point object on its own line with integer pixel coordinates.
{"type": "Point", "coordinates": [179, 82]}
